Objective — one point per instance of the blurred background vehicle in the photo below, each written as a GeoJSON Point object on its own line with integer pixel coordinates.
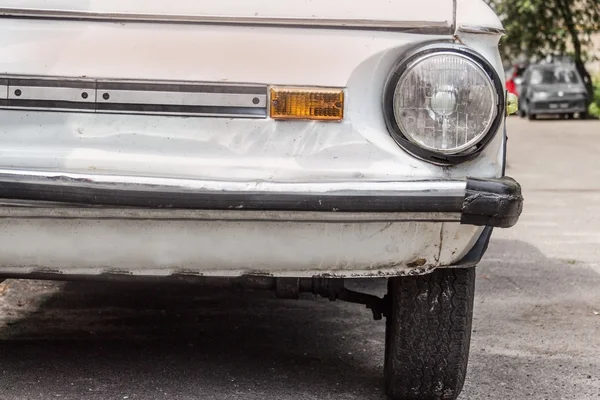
{"type": "Point", "coordinates": [554, 88]}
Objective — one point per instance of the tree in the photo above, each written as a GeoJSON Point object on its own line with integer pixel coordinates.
{"type": "Point", "coordinates": [538, 28]}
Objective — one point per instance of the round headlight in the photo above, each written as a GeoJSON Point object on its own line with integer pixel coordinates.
{"type": "Point", "coordinates": [443, 102]}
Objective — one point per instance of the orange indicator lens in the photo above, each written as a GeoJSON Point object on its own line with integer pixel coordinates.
{"type": "Point", "coordinates": [304, 103]}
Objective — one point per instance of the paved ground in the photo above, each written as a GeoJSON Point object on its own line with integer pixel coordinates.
{"type": "Point", "coordinates": [536, 333]}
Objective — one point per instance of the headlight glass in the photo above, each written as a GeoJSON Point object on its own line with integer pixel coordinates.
{"type": "Point", "coordinates": [540, 95]}
{"type": "Point", "coordinates": [445, 102]}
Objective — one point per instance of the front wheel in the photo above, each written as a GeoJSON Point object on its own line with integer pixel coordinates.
{"type": "Point", "coordinates": [428, 333]}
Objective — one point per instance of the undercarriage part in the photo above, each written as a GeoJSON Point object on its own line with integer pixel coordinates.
{"type": "Point", "coordinates": [284, 288]}
{"type": "Point", "coordinates": [332, 289]}
{"type": "Point", "coordinates": [378, 306]}
{"type": "Point", "coordinates": [290, 288]}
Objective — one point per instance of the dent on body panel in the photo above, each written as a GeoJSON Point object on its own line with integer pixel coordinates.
{"type": "Point", "coordinates": [231, 149]}
{"type": "Point", "coordinates": [218, 148]}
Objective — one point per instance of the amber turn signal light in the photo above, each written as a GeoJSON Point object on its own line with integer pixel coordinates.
{"type": "Point", "coordinates": [305, 103]}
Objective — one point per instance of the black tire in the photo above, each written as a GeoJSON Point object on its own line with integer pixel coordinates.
{"type": "Point", "coordinates": [428, 333]}
{"type": "Point", "coordinates": [531, 117]}
{"type": "Point", "coordinates": [583, 115]}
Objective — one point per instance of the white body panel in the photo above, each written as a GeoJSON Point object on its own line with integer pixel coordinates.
{"type": "Point", "coordinates": [360, 147]}
{"type": "Point", "coordinates": [234, 150]}
{"type": "Point", "coordinates": [475, 13]}
{"type": "Point", "coordinates": [228, 247]}
{"type": "Point", "coordinates": [373, 10]}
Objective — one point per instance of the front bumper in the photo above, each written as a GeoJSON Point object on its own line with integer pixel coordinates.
{"type": "Point", "coordinates": [67, 225]}
{"type": "Point", "coordinates": [483, 202]}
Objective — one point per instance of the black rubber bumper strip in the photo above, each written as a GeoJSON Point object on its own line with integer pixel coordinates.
{"type": "Point", "coordinates": [492, 202]}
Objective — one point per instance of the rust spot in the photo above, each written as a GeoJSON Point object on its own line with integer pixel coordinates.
{"type": "Point", "coordinates": [419, 262]}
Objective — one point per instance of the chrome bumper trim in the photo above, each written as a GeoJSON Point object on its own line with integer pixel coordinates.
{"type": "Point", "coordinates": [123, 182]}
{"type": "Point", "coordinates": [41, 210]}
{"type": "Point", "coordinates": [172, 193]}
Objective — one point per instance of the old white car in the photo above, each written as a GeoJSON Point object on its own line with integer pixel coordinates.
{"type": "Point", "coordinates": [266, 144]}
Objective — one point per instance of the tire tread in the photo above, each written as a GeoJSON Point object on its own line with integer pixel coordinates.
{"type": "Point", "coordinates": [429, 332]}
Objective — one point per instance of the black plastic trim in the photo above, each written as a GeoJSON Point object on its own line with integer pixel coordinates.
{"type": "Point", "coordinates": [388, 104]}
{"type": "Point", "coordinates": [505, 149]}
{"type": "Point", "coordinates": [492, 202]}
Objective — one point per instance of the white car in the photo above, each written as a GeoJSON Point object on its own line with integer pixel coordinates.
{"type": "Point", "coordinates": [267, 144]}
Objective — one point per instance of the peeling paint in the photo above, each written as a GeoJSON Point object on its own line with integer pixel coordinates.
{"type": "Point", "coordinates": [417, 263]}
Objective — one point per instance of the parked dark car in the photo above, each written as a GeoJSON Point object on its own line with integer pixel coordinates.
{"type": "Point", "coordinates": [553, 89]}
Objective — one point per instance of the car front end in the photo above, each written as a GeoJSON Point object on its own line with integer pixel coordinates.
{"type": "Point", "coordinates": [284, 147]}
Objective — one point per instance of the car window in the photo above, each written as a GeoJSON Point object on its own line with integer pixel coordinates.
{"type": "Point", "coordinates": [546, 76]}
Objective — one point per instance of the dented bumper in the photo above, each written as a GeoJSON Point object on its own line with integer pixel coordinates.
{"type": "Point", "coordinates": [62, 225]}
{"type": "Point", "coordinates": [482, 202]}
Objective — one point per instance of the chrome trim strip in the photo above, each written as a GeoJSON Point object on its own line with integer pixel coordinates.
{"type": "Point", "coordinates": [171, 193]}
{"type": "Point", "coordinates": [481, 30]}
{"type": "Point", "coordinates": [52, 94]}
{"type": "Point", "coordinates": [133, 97]}
{"type": "Point", "coordinates": [454, 8]}
{"type": "Point", "coordinates": [39, 209]}
{"type": "Point", "coordinates": [424, 27]}
{"type": "Point", "coordinates": [434, 188]}
{"type": "Point", "coordinates": [184, 99]}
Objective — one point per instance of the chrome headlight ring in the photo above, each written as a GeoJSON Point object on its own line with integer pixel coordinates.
{"type": "Point", "coordinates": [446, 97]}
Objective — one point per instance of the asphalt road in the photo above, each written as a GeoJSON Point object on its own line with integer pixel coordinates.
{"type": "Point", "coordinates": [536, 328]}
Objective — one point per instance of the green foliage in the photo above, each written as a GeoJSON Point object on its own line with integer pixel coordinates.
{"type": "Point", "coordinates": [595, 106]}
{"type": "Point", "coordinates": [538, 28]}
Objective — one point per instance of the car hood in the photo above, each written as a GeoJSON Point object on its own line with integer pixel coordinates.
{"type": "Point", "coordinates": [372, 10]}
